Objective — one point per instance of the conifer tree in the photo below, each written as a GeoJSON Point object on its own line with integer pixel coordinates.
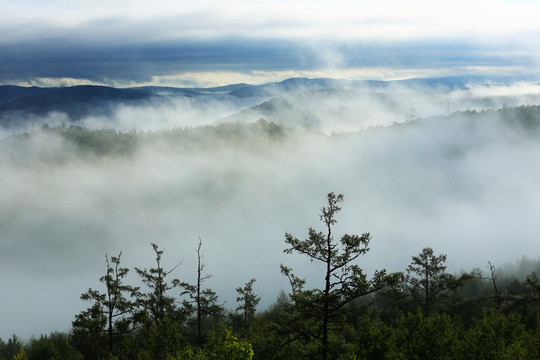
{"type": "Point", "coordinates": [111, 311]}
{"type": "Point", "coordinates": [203, 302]}
{"type": "Point", "coordinates": [248, 301]}
{"type": "Point", "coordinates": [431, 283]}
{"type": "Point", "coordinates": [344, 280]}
{"type": "Point", "coordinates": [156, 302]}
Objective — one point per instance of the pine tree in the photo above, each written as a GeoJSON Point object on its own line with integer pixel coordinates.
{"type": "Point", "coordinates": [156, 302]}
{"type": "Point", "coordinates": [203, 302]}
{"type": "Point", "coordinates": [431, 283]}
{"type": "Point", "coordinates": [344, 280]}
{"type": "Point", "coordinates": [248, 301]}
{"type": "Point", "coordinates": [112, 310]}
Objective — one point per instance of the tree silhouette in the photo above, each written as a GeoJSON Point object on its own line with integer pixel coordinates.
{"type": "Point", "coordinates": [157, 302]}
{"type": "Point", "coordinates": [248, 301]}
{"type": "Point", "coordinates": [112, 310]}
{"type": "Point", "coordinates": [203, 301]}
{"type": "Point", "coordinates": [431, 283]}
{"type": "Point", "coordinates": [344, 281]}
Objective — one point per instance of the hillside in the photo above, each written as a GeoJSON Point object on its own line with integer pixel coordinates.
{"type": "Point", "coordinates": [477, 129]}
{"type": "Point", "coordinates": [314, 103]}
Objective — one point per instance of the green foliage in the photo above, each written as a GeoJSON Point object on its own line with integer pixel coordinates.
{"type": "Point", "coordinates": [56, 346]}
{"type": "Point", "coordinates": [21, 355]}
{"type": "Point", "coordinates": [161, 340]}
{"type": "Point", "coordinates": [419, 337]}
{"type": "Point", "coordinates": [12, 347]}
{"type": "Point", "coordinates": [100, 142]}
{"type": "Point", "coordinates": [371, 340]}
{"type": "Point", "coordinates": [222, 345]}
{"type": "Point", "coordinates": [190, 353]}
{"type": "Point", "coordinates": [230, 348]}
{"type": "Point", "coordinates": [499, 336]}
{"type": "Point", "coordinates": [264, 339]}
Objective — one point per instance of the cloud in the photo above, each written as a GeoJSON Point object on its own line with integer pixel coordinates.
{"type": "Point", "coordinates": [137, 63]}
{"type": "Point", "coordinates": [341, 20]}
{"type": "Point", "coordinates": [257, 77]}
{"type": "Point", "coordinates": [173, 113]}
{"type": "Point", "coordinates": [133, 42]}
{"type": "Point", "coordinates": [232, 60]}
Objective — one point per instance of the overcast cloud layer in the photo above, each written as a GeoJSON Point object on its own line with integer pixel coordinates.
{"type": "Point", "coordinates": [130, 42]}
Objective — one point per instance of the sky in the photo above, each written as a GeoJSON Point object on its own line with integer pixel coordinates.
{"type": "Point", "coordinates": [209, 42]}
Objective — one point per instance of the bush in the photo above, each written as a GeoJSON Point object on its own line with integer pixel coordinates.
{"type": "Point", "coordinates": [419, 337]}
{"type": "Point", "coordinates": [499, 336]}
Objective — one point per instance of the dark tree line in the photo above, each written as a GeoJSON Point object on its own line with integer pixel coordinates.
{"type": "Point", "coordinates": [107, 142]}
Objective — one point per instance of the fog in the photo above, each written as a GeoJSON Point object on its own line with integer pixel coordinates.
{"type": "Point", "coordinates": [469, 190]}
{"type": "Point", "coordinates": [355, 108]}
{"type": "Point", "coordinates": [158, 113]}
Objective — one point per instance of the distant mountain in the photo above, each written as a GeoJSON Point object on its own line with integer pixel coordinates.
{"type": "Point", "coordinates": [222, 89]}
{"type": "Point", "coordinates": [55, 98]}
{"type": "Point", "coordinates": [11, 92]}
{"type": "Point", "coordinates": [21, 104]}
{"type": "Point", "coordinates": [419, 84]}
{"type": "Point", "coordinates": [191, 92]}
{"type": "Point", "coordinates": [293, 85]}
{"type": "Point", "coordinates": [343, 106]}
{"type": "Point", "coordinates": [327, 110]}
{"type": "Point", "coordinates": [303, 100]}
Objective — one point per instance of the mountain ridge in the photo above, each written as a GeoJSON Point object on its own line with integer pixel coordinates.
{"type": "Point", "coordinates": [20, 106]}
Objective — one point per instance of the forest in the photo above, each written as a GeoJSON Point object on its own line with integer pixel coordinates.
{"type": "Point", "coordinates": [423, 311]}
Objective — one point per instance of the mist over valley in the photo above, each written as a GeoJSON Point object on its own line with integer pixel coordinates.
{"type": "Point", "coordinates": [450, 164]}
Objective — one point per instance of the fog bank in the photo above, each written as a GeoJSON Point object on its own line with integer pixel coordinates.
{"type": "Point", "coordinates": [465, 188]}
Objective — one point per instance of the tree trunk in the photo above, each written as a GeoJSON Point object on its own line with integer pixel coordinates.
{"type": "Point", "coordinates": [110, 332]}
{"type": "Point", "coordinates": [327, 294]}
{"type": "Point", "coordinates": [426, 306]}
{"type": "Point", "coordinates": [199, 315]}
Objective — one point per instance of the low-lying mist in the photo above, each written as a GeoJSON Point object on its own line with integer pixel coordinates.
{"type": "Point", "coordinates": [465, 185]}
{"type": "Point", "coordinates": [170, 112]}
{"type": "Point", "coordinates": [322, 106]}
{"type": "Point", "coordinates": [352, 109]}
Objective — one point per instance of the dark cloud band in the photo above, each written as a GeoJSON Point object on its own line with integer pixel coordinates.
{"type": "Point", "coordinates": [139, 62]}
